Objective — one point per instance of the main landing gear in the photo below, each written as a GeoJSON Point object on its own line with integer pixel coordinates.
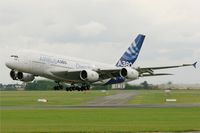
{"type": "Point", "coordinates": [73, 87]}
{"type": "Point", "coordinates": [58, 87]}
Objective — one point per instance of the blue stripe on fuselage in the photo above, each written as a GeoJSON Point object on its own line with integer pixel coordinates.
{"type": "Point", "coordinates": [115, 80]}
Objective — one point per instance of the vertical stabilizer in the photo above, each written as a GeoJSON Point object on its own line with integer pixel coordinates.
{"type": "Point", "coordinates": [131, 54]}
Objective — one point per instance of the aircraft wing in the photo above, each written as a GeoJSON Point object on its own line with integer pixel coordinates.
{"type": "Point", "coordinates": [149, 71]}
{"type": "Point", "coordinates": [113, 72]}
{"type": "Point", "coordinates": [74, 74]}
{"type": "Point", "coordinates": [109, 73]}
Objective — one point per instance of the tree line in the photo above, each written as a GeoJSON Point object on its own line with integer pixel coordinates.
{"type": "Point", "coordinates": [48, 85]}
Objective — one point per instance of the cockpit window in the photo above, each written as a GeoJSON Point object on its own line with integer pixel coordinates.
{"type": "Point", "coordinates": [15, 56]}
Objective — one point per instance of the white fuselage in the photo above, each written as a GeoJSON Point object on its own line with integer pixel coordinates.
{"type": "Point", "coordinates": [40, 64]}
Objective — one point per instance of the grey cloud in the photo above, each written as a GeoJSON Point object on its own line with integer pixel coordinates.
{"type": "Point", "coordinates": [55, 26]}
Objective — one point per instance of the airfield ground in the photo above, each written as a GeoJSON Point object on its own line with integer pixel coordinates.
{"type": "Point", "coordinates": [100, 111]}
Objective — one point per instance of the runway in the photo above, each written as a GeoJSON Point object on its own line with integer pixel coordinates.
{"type": "Point", "coordinates": [98, 106]}
{"type": "Point", "coordinates": [114, 100]}
{"type": "Point", "coordinates": [119, 100]}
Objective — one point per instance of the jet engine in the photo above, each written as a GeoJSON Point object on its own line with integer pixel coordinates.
{"type": "Point", "coordinates": [129, 73]}
{"type": "Point", "coordinates": [13, 74]}
{"type": "Point", "coordinates": [89, 75]}
{"type": "Point", "coordinates": [26, 77]}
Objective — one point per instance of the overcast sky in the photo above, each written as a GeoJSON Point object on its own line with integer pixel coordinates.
{"type": "Point", "coordinates": [101, 30]}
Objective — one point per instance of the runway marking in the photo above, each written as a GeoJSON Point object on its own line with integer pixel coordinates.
{"type": "Point", "coordinates": [116, 99]}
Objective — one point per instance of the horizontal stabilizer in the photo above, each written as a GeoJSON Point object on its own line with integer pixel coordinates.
{"type": "Point", "coordinates": [157, 74]}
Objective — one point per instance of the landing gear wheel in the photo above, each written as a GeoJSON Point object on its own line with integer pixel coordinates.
{"type": "Point", "coordinates": [58, 87]}
{"type": "Point", "coordinates": [83, 87]}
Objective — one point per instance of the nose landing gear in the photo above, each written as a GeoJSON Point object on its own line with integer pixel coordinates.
{"type": "Point", "coordinates": [58, 86]}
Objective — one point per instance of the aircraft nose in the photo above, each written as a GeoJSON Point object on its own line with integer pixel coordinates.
{"type": "Point", "coordinates": [8, 63]}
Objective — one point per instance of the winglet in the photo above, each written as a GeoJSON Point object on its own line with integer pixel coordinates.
{"type": "Point", "coordinates": [195, 64]}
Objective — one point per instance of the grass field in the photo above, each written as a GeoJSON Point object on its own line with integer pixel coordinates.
{"type": "Point", "coordinates": [160, 96]}
{"type": "Point", "coordinates": [29, 98]}
{"type": "Point", "coordinates": [99, 120]}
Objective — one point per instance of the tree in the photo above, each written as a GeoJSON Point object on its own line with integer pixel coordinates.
{"type": "Point", "coordinates": [40, 85]}
{"type": "Point", "coordinates": [169, 83]}
{"type": "Point", "coordinates": [145, 85]}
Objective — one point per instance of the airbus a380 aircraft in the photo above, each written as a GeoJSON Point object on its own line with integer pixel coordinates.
{"type": "Point", "coordinates": [81, 73]}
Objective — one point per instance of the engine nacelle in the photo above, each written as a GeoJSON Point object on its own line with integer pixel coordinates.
{"type": "Point", "coordinates": [89, 75]}
{"type": "Point", "coordinates": [26, 77]}
{"type": "Point", "coordinates": [13, 74]}
{"type": "Point", "coordinates": [129, 73]}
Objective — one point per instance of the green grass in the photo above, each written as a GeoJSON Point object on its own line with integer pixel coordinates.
{"type": "Point", "coordinates": [101, 120]}
{"type": "Point", "coordinates": [159, 97]}
{"type": "Point", "coordinates": [29, 98]}
{"type": "Point", "coordinates": [105, 120]}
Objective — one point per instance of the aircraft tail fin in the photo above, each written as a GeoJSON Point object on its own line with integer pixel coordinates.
{"type": "Point", "coordinates": [131, 54]}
